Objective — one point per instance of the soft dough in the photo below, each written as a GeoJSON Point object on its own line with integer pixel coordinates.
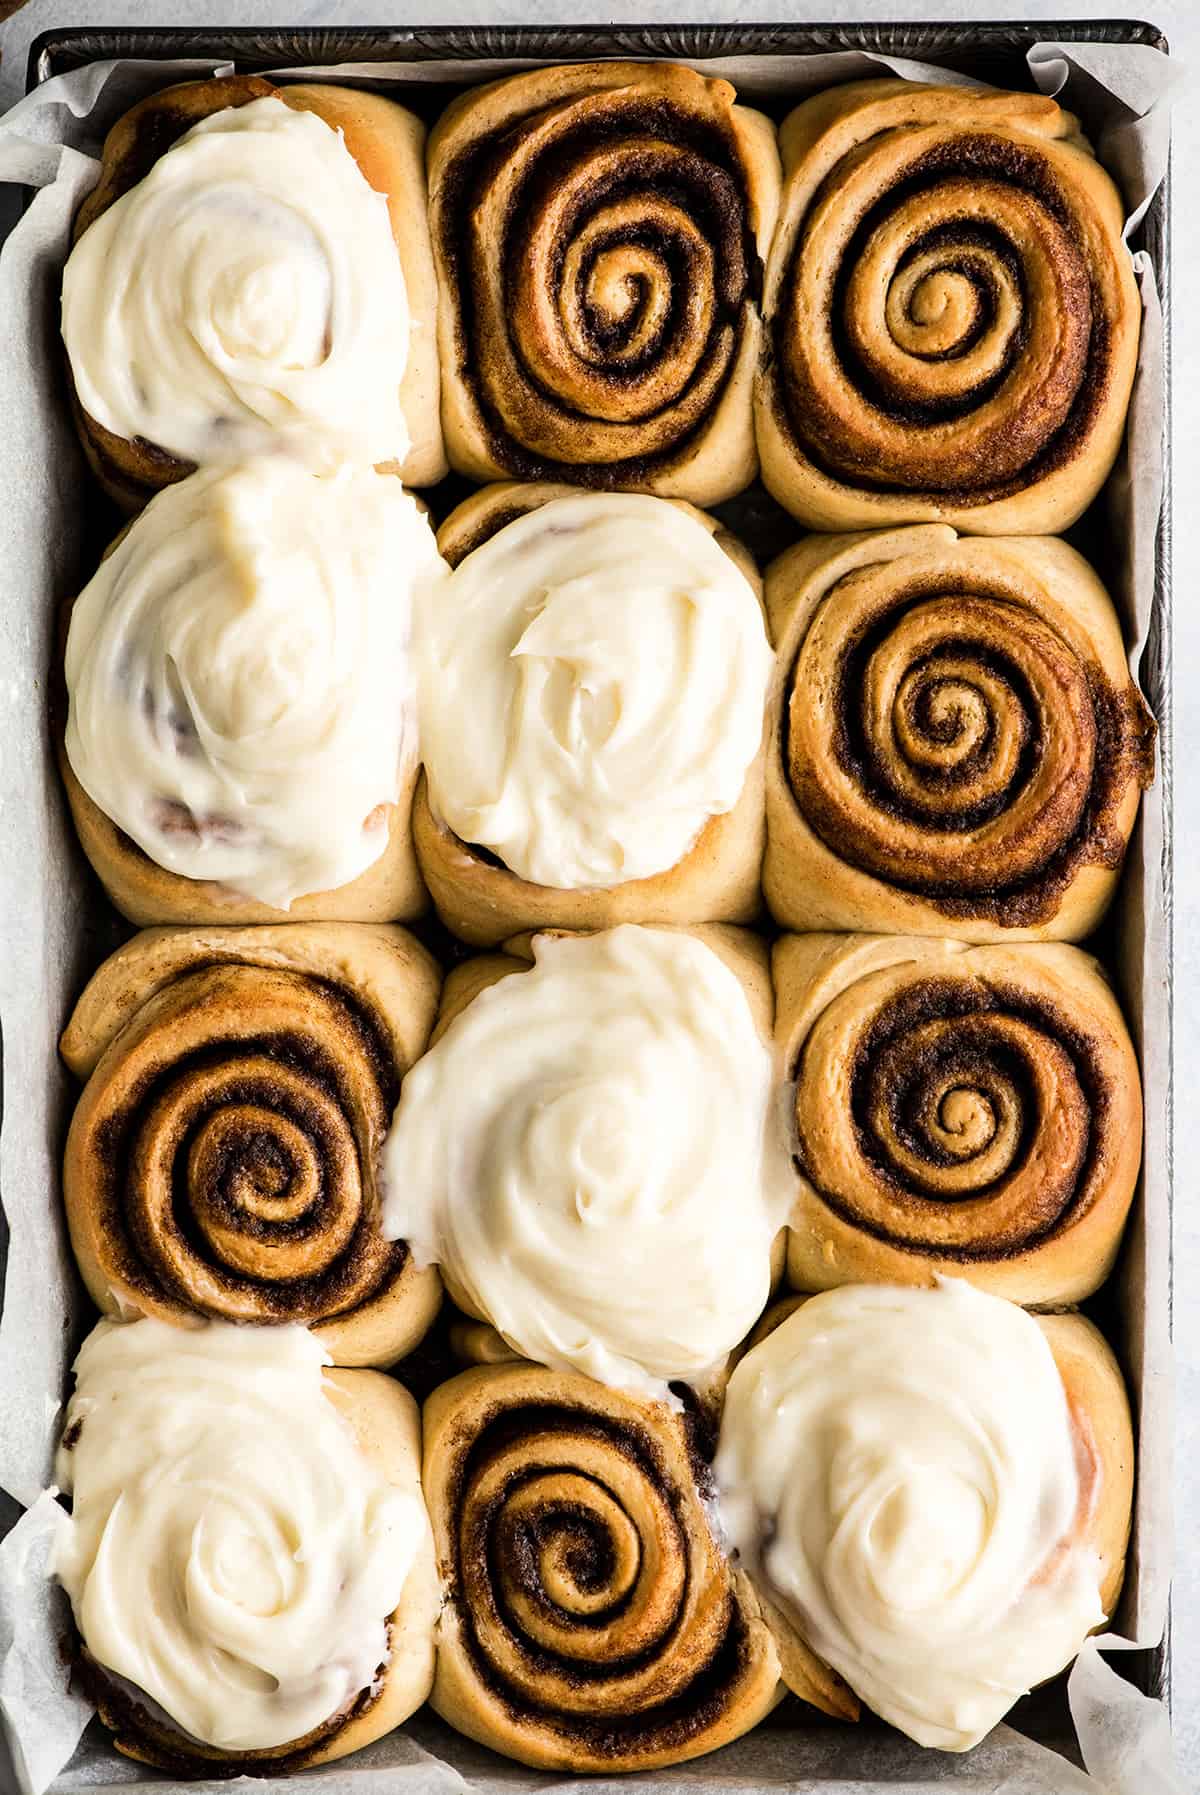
{"type": "Point", "coordinates": [254, 264]}
{"type": "Point", "coordinates": [248, 1554]}
{"type": "Point", "coordinates": [240, 737]}
{"type": "Point", "coordinates": [593, 1622]}
{"type": "Point", "coordinates": [931, 1489]}
{"type": "Point", "coordinates": [222, 1160]}
{"type": "Point", "coordinates": [593, 679]}
{"type": "Point", "coordinates": [591, 1150]}
{"type": "Point", "coordinates": [598, 231]}
{"type": "Point", "coordinates": [951, 313]}
{"type": "Point", "coordinates": [972, 1111]}
{"type": "Point", "coordinates": [956, 744]}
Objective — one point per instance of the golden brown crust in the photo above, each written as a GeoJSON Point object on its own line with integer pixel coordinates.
{"type": "Point", "coordinates": [478, 897]}
{"type": "Point", "coordinates": [388, 144]}
{"type": "Point", "coordinates": [592, 1622]}
{"type": "Point", "coordinates": [951, 314]}
{"type": "Point", "coordinates": [222, 1158]}
{"type": "Point", "coordinates": [1103, 1429]}
{"type": "Point", "coordinates": [956, 745]}
{"type": "Point", "coordinates": [598, 231]}
{"type": "Point", "coordinates": [387, 1428]}
{"type": "Point", "coordinates": [391, 889]}
{"type": "Point", "coordinates": [970, 1111]}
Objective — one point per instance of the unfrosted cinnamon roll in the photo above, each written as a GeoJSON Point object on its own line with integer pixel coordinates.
{"type": "Point", "coordinates": [221, 1162]}
{"type": "Point", "coordinates": [931, 1491]}
{"type": "Point", "coordinates": [240, 736]}
{"type": "Point", "coordinates": [951, 313]}
{"type": "Point", "coordinates": [254, 264]}
{"type": "Point", "coordinates": [591, 1150]}
{"type": "Point", "coordinates": [592, 1622]}
{"type": "Point", "coordinates": [598, 231]}
{"type": "Point", "coordinates": [248, 1554]}
{"type": "Point", "coordinates": [957, 746]}
{"type": "Point", "coordinates": [592, 682]}
{"type": "Point", "coordinates": [973, 1111]}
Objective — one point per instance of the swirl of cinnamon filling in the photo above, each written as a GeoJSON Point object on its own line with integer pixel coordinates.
{"type": "Point", "coordinates": [592, 1622]}
{"type": "Point", "coordinates": [598, 230]}
{"type": "Point", "coordinates": [974, 1111]}
{"type": "Point", "coordinates": [221, 1162]}
{"type": "Point", "coordinates": [961, 748]}
{"type": "Point", "coordinates": [952, 313]}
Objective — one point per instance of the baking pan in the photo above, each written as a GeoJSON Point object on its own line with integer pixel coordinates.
{"type": "Point", "coordinates": [994, 53]}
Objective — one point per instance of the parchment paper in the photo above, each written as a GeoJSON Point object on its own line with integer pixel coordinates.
{"type": "Point", "coordinates": [57, 927]}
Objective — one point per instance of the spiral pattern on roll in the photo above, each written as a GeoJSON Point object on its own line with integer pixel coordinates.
{"type": "Point", "coordinates": [975, 749]}
{"type": "Point", "coordinates": [594, 227]}
{"type": "Point", "coordinates": [221, 1160]}
{"type": "Point", "coordinates": [953, 319]}
{"type": "Point", "coordinates": [592, 1619]}
{"type": "Point", "coordinates": [975, 1108]}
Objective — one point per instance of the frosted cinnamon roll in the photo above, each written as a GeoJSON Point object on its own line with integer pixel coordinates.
{"type": "Point", "coordinates": [951, 313]}
{"type": "Point", "coordinates": [222, 1160]}
{"type": "Point", "coordinates": [240, 736]}
{"type": "Point", "coordinates": [957, 745]}
{"type": "Point", "coordinates": [585, 1122]}
{"type": "Point", "coordinates": [599, 233]}
{"type": "Point", "coordinates": [931, 1490]}
{"type": "Point", "coordinates": [248, 1555]}
{"type": "Point", "coordinates": [592, 1622]}
{"type": "Point", "coordinates": [254, 265]}
{"type": "Point", "coordinates": [592, 683]}
{"type": "Point", "coordinates": [969, 1111]}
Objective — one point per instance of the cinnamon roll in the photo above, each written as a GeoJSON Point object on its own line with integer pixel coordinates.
{"type": "Point", "coordinates": [931, 1489]}
{"type": "Point", "coordinates": [973, 1111]}
{"type": "Point", "coordinates": [240, 731]}
{"type": "Point", "coordinates": [957, 745]}
{"type": "Point", "coordinates": [592, 1622]}
{"type": "Point", "coordinates": [248, 1554]}
{"type": "Point", "coordinates": [592, 684]}
{"type": "Point", "coordinates": [582, 1123]}
{"type": "Point", "coordinates": [951, 313]}
{"type": "Point", "coordinates": [254, 265]}
{"type": "Point", "coordinates": [221, 1162]}
{"type": "Point", "coordinates": [599, 233]}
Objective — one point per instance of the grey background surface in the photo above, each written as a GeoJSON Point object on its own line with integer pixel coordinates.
{"type": "Point", "coordinates": [1180, 20]}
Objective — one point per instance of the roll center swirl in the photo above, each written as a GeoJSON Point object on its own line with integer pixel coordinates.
{"type": "Point", "coordinates": [233, 1149]}
{"type": "Point", "coordinates": [254, 1161]}
{"type": "Point", "coordinates": [596, 237]}
{"type": "Point", "coordinates": [938, 331]}
{"type": "Point", "coordinates": [959, 755]}
{"type": "Point", "coordinates": [972, 1122]}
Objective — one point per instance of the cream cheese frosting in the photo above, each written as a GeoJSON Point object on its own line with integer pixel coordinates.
{"type": "Point", "coordinates": [231, 1552]}
{"type": "Point", "coordinates": [898, 1467]}
{"type": "Point", "coordinates": [592, 684]}
{"type": "Point", "coordinates": [241, 699]}
{"type": "Point", "coordinates": [248, 286]}
{"type": "Point", "coordinates": [592, 1151]}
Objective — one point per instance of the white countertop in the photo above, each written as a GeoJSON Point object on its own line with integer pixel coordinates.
{"type": "Point", "coordinates": [1180, 20]}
